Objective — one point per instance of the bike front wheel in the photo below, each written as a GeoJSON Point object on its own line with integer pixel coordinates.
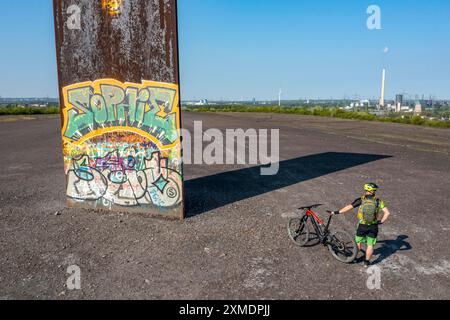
{"type": "Point", "coordinates": [298, 231]}
{"type": "Point", "coordinates": [343, 247]}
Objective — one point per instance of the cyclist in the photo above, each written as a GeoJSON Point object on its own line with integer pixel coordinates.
{"type": "Point", "coordinates": [368, 214]}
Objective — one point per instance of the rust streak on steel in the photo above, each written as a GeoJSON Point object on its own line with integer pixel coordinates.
{"type": "Point", "coordinates": [138, 43]}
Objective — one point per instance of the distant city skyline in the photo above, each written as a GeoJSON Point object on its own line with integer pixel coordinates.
{"type": "Point", "coordinates": [26, 100]}
{"type": "Point", "coordinates": [234, 49]}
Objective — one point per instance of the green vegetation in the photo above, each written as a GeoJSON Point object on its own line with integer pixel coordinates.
{"type": "Point", "coordinates": [326, 112]}
{"type": "Point", "coordinates": [332, 112]}
{"type": "Point", "coordinates": [27, 110]}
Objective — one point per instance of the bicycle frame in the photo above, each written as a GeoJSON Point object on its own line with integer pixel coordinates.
{"type": "Point", "coordinates": [321, 229]}
{"type": "Point", "coordinates": [341, 244]}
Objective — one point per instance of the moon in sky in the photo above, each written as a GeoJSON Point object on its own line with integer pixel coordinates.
{"type": "Point", "coordinates": [386, 50]}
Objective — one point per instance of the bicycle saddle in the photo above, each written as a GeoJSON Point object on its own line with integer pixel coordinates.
{"type": "Point", "coordinates": [311, 207]}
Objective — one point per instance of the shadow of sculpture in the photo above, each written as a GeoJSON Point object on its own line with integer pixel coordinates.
{"type": "Point", "coordinates": [208, 193]}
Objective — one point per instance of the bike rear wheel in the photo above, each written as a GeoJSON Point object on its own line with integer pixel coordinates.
{"type": "Point", "coordinates": [298, 231]}
{"type": "Point", "coordinates": [343, 246]}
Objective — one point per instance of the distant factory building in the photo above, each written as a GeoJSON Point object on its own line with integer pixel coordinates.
{"type": "Point", "coordinates": [418, 109]}
{"type": "Point", "coordinates": [398, 102]}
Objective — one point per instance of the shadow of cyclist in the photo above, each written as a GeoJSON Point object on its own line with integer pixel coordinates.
{"type": "Point", "coordinates": [390, 247]}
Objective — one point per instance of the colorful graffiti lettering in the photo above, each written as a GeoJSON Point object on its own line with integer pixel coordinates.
{"type": "Point", "coordinates": [122, 146]}
{"type": "Point", "coordinates": [121, 181]}
{"type": "Point", "coordinates": [94, 108]}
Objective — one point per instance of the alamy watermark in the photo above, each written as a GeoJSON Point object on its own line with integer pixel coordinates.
{"type": "Point", "coordinates": [232, 146]}
{"type": "Point", "coordinates": [74, 19]}
{"type": "Point", "coordinates": [374, 19]}
{"type": "Point", "coordinates": [74, 280]}
{"type": "Point", "coordinates": [374, 280]}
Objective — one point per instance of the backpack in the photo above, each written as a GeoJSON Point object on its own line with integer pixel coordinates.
{"type": "Point", "coordinates": [368, 211]}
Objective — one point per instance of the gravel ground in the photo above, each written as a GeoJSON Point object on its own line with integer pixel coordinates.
{"type": "Point", "coordinates": [234, 244]}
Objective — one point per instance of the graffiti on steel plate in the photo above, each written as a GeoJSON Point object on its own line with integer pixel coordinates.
{"type": "Point", "coordinates": [121, 144]}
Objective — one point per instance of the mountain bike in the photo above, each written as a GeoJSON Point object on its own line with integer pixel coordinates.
{"type": "Point", "coordinates": [341, 244]}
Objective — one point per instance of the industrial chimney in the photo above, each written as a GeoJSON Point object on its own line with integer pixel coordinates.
{"type": "Point", "coordinates": [383, 83]}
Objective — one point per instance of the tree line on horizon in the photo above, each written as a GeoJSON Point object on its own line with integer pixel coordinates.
{"type": "Point", "coordinates": [320, 111]}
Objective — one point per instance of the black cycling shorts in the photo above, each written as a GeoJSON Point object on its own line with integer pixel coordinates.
{"type": "Point", "coordinates": [367, 231]}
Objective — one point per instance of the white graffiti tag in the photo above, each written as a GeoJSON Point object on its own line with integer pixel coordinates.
{"type": "Point", "coordinates": [117, 180]}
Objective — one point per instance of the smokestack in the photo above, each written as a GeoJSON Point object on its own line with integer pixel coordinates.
{"type": "Point", "coordinates": [383, 84]}
{"type": "Point", "coordinates": [279, 98]}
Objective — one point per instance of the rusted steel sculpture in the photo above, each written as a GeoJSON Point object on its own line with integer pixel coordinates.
{"type": "Point", "coordinates": [119, 93]}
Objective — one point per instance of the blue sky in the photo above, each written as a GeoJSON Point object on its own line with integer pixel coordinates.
{"type": "Point", "coordinates": [233, 49]}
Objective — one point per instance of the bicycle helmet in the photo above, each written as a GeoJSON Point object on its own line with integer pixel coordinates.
{"type": "Point", "coordinates": [371, 187]}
